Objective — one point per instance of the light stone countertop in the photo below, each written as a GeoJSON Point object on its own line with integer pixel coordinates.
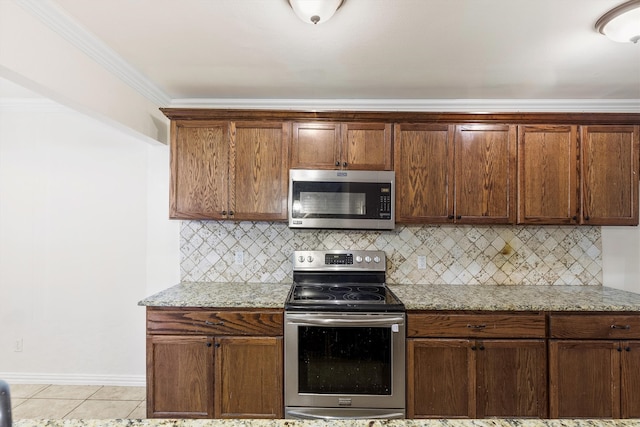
{"type": "Point", "coordinates": [415, 297]}
{"type": "Point", "coordinates": [338, 423]}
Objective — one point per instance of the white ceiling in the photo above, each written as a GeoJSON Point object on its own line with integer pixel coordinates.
{"type": "Point", "coordinates": [199, 50]}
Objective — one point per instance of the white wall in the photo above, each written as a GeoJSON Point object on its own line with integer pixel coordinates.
{"type": "Point", "coordinates": [621, 258]}
{"type": "Point", "coordinates": [84, 235]}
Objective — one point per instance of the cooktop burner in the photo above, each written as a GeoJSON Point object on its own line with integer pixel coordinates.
{"type": "Point", "coordinates": [341, 280]}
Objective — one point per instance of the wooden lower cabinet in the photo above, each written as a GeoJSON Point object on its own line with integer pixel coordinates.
{"type": "Point", "coordinates": [179, 376]}
{"type": "Point", "coordinates": [214, 364]}
{"type": "Point", "coordinates": [458, 378]}
{"type": "Point", "coordinates": [248, 380]}
{"type": "Point", "coordinates": [595, 379]}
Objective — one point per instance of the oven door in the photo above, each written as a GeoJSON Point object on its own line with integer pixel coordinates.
{"type": "Point", "coordinates": [353, 361]}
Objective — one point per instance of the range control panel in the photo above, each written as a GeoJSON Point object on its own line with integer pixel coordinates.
{"type": "Point", "coordinates": [339, 260]}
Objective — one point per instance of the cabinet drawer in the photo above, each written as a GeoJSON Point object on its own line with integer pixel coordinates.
{"type": "Point", "coordinates": [531, 325]}
{"type": "Point", "coordinates": [212, 322]}
{"type": "Point", "coordinates": [594, 326]}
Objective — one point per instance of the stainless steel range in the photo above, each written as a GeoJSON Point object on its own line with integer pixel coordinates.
{"type": "Point", "coordinates": [344, 338]}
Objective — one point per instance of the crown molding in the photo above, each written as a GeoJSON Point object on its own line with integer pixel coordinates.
{"type": "Point", "coordinates": [63, 24]}
{"type": "Point", "coordinates": [419, 105]}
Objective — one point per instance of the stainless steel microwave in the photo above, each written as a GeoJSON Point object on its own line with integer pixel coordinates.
{"type": "Point", "coordinates": [341, 199]}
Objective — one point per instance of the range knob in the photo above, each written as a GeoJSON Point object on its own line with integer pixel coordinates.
{"type": "Point", "coordinates": [358, 259]}
{"type": "Point", "coordinates": [310, 258]}
{"type": "Point", "coordinates": [301, 258]}
{"type": "Point", "coordinates": [376, 259]}
{"type": "Point", "coordinates": [367, 258]}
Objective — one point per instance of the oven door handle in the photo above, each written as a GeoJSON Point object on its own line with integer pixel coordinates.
{"type": "Point", "coordinates": [305, 320]}
{"type": "Point", "coordinates": [307, 415]}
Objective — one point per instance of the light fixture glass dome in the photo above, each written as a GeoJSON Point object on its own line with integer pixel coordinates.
{"type": "Point", "coordinates": [622, 23]}
{"type": "Point", "coordinates": [315, 11]}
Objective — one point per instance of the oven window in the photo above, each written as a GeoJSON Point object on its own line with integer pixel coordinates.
{"type": "Point", "coordinates": [344, 360]}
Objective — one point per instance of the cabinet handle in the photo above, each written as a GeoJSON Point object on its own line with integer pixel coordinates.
{"type": "Point", "coordinates": [206, 322]}
{"type": "Point", "coordinates": [476, 326]}
{"type": "Point", "coordinates": [337, 163]}
{"type": "Point", "coordinates": [620, 327]}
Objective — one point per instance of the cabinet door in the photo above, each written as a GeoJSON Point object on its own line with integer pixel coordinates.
{"type": "Point", "coordinates": [315, 146]}
{"type": "Point", "coordinates": [366, 146]}
{"type": "Point", "coordinates": [179, 377]}
{"type": "Point", "coordinates": [547, 170]}
{"type": "Point", "coordinates": [511, 378]}
{"type": "Point", "coordinates": [258, 175]}
{"type": "Point", "coordinates": [249, 377]}
{"type": "Point", "coordinates": [584, 379]}
{"type": "Point", "coordinates": [423, 161]}
{"type": "Point", "coordinates": [199, 169]}
{"type": "Point", "coordinates": [609, 172]}
{"type": "Point", "coordinates": [440, 379]}
{"type": "Point", "coordinates": [485, 174]}
{"type": "Point", "coordinates": [630, 405]}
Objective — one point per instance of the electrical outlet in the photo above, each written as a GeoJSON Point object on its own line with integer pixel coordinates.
{"type": "Point", "coordinates": [239, 258]}
{"type": "Point", "coordinates": [17, 347]}
{"type": "Point", "coordinates": [422, 262]}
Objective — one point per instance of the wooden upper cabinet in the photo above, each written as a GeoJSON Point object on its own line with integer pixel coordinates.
{"type": "Point", "coordinates": [461, 174]}
{"type": "Point", "coordinates": [423, 162]}
{"type": "Point", "coordinates": [609, 171]}
{"type": "Point", "coordinates": [199, 169]}
{"type": "Point", "coordinates": [355, 146]}
{"type": "Point", "coordinates": [485, 174]}
{"type": "Point", "coordinates": [547, 171]}
{"type": "Point", "coordinates": [229, 170]}
{"type": "Point", "coordinates": [258, 175]}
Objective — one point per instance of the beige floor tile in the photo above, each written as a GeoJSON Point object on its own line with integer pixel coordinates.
{"type": "Point", "coordinates": [102, 409]}
{"type": "Point", "coordinates": [67, 392]}
{"type": "Point", "coordinates": [44, 408]}
{"type": "Point", "coordinates": [25, 390]}
{"type": "Point", "coordinates": [139, 413]}
{"type": "Point", "coordinates": [120, 393]}
{"type": "Point", "coordinates": [17, 402]}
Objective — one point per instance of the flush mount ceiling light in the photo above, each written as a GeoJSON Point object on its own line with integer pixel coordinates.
{"type": "Point", "coordinates": [315, 11]}
{"type": "Point", "coordinates": [622, 23]}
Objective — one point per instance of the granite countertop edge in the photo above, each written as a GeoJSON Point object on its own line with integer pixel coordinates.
{"type": "Point", "coordinates": [491, 422]}
{"type": "Point", "coordinates": [587, 298]}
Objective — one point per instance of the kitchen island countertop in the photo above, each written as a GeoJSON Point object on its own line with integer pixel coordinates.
{"type": "Point", "coordinates": [415, 297]}
{"type": "Point", "coordinates": [338, 423]}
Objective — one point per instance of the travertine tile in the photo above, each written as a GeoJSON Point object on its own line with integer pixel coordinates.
{"type": "Point", "coordinates": [493, 255]}
{"type": "Point", "coordinates": [25, 390]}
{"type": "Point", "coordinates": [140, 412]}
{"type": "Point", "coordinates": [45, 408]}
{"type": "Point", "coordinates": [119, 393]}
{"type": "Point", "coordinates": [102, 409]}
{"type": "Point", "coordinates": [67, 392]}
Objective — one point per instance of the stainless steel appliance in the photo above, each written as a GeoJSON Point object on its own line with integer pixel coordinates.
{"type": "Point", "coordinates": [341, 199]}
{"type": "Point", "coordinates": [344, 338]}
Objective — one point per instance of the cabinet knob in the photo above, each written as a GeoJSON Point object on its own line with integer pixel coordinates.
{"type": "Point", "coordinates": [575, 218]}
{"type": "Point", "coordinates": [208, 344]}
{"type": "Point", "coordinates": [217, 345]}
{"type": "Point", "coordinates": [586, 218]}
{"type": "Point", "coordinates": [231, 213]}
{"type": "Point", "coordinates": [450, 217]}
{"type": "Point", "coordinates": [481, 347]}
{"type": "Point", "coordinates": [627, 349]}
{"type": "Point", "coordinates": [345, 164]}
{"type": "Point", "coordinates": [223, 212]}
{"type": "Point", "coordinates": [459, 217]}
{"type": "Point", "coordinates": [337, 163]}
{"type": "Point", "coordinates": [474, 348]}
{"type": "Point", "coordinates": [619, 349]}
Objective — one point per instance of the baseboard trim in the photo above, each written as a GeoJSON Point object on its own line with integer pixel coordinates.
{"type": "Point", "coordinates": [73, 379]}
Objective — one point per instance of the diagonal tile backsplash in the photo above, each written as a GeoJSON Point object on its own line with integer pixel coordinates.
{"type": "Point", "coordinates": [504, 255]}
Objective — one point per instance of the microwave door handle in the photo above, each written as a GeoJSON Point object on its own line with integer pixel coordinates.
{"type": "Point", "coordinates": [389, 321]}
